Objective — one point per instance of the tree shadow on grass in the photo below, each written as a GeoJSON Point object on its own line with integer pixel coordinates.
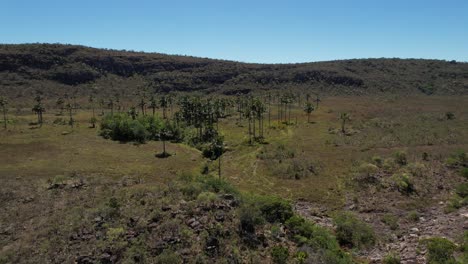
{"type": "Point", "coordinates": [162, 155]}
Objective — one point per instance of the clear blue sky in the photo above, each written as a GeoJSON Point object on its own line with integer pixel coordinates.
{"type": "Point", "coordinates": [253, 31]}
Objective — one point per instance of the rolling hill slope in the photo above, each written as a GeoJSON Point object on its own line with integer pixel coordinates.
{"type": "Point", "coordinates": [56, 69]}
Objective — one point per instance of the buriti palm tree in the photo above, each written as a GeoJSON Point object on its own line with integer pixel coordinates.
{"type": "Point", "coordinates": [217, 148]}
{"type": "Point", "coordinates": [163, 102]}
{"type": "Point", "coordinates": [344, 117]}
{"type": "Point", "coordinates": [309, 108]}
{"type": "Point", "coordinates": [38, 108]}
{"type": "Point", "coordinates": [3, 104]}
{"type": "Point", "coordinates": [153, 104]}
{"type": "Point", "coordinates": [142, 105]}
{"type": "Point", "coordinates": [69, 107]}
{"type": "Point", "coordinates": [60, 105]}
{"type": "Point", "coordinates": [317, 101]}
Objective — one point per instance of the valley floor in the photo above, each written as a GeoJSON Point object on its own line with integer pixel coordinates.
{"type": "Point", "coordinates": [322, 170]}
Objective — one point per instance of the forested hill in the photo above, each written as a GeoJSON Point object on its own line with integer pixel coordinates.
{"type": "Point", "coordinates": [56, 69]}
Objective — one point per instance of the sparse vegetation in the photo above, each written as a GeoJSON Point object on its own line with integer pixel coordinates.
{"type": "Point", "coordinates": [109, 202]}
{"type": "Point", "coordinates": [352, 232]}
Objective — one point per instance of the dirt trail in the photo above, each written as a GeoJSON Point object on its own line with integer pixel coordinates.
{"type": "Point", "coordinates": [433, 222]}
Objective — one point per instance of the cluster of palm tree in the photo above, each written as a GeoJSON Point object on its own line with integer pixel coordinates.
{"type": "Point", "coordinates": [39, 108]}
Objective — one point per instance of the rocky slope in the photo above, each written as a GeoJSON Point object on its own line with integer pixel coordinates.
{"type": "Point", "coordinates": [56, 69]}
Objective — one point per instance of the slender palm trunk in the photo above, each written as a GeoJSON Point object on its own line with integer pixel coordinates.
{"type": "Point", "coordinates": [71, 117]}
{"type": "Point", "coordinates": [4, 118]}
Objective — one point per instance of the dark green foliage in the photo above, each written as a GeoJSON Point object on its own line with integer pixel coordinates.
{"type": "Point", "coordinates": [450, 115]}
{"type": "Point", "coordinates": [459, 158]}
{"type": "Point", "coordinates": [404, 183]}
{"type": "Point", "coordinates": [427, 89]}
{"type": "Point", "coordinates": [440, 250]}
{"type": "Point", "coordinates": [400, 158]}
{"type": "Point", "coordinates": [464, 248]}
{"type": "Point", "coordinates": [352, 232]}
{"type": "Point", "coordinates": [391, 221]}
{"type": "Point", "coordinates": [279, 255]}
{"type": "Point", "coordinates": [168, 257]}
{"type": "Point", "coordinates": [274, 209]}
{"type": "Point", "coordinates": [123, 127]}
{"type": "Point", "coordinates": [215, 149]}
{"type": "Point", "coordinates": [391, 258]}
{"type": "Point", "coordinates": [462, 190]}
{"type": "Point", "coordinates": [464, 173]}
{"type": "Point", "coordinates": [321, 242]}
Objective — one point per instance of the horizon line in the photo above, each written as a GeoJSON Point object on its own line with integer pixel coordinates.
{"type": "Point", "coordinates": [228, 60]}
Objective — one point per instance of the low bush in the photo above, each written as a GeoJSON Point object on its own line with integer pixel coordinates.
{"type": "Point", "coordinates": [352, 232]}
{"type": "Point", "coordinates": [323, 246]}
{"type": "Point", "coordinates": [462, 190]}
{"type": "Point", "coordinates": [391, 258]}
{"type": "Point", "coordinates": [168, 257]}
{"type": "Point", "coordinates": [439, 250]}
{"type": "Point", "coordinates": [417, 169]}
{"type": "Point", "coordinates": [400, 158]}
{"type": "Point", "coordinates": [125, 128]}
{"type": "Point", "coordinates": [279, 255]}
{"type": "Point", "coordinates": [403, 183]}
{"type": "Point", "coordinates": [275, 209]}
{"type": "Point", "coordinates": [464, 173]}
{"type": "Point", "coordinates": [413, 216]}
{"type": "Point", "coordinates": [391, 221]}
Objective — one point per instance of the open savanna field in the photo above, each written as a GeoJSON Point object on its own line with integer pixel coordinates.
{"type": "Point", "coordinates": [59, 183]}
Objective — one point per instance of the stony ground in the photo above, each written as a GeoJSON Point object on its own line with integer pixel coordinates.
{"type": "Point", "coordinates": [433, 222]}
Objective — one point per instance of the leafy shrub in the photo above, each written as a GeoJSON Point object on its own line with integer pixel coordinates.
{"type": "Point", "coordinates": [450, 115]}
{"type": "Point", "coordinates": [462, 190]}
{"type": "Point", "coordinates": [377, 161]}
{"type": "Point", "coordinates": [115, 233]}
{"type": "Point", "coordinates": [459, 158]}
{"type": "Point", "coordinates": [400, 158]}
{"type": "Point", "coordinates": [168, 257]}
{"type": "Point", "coordinates": [368, 169]}
{"type": "Point", "coordinates": [352, 232]}
{"type": "Point", "coordinates": [207, 197]}
{"type": "Point", "coordinates": [391, 221]}
{"type": "Point", "coordinates": [275, 209]}
{"type": "Point", "coordinates": [279, 254]}
{"type": "Point", "coordinates": [413, 216]}
{"type": "Point", "coordinates": [391, 258]}
{"type": "Point", "coordinates": [300, 257]}
{"type": "Point", "coordinates": [464, 172]}
{"type": "Point", "coordinates": [440, 250]}
{"type": "Point", "coordinates": [417, 169]}
{"type": "Point", "coordinates": [318, 241]}
{"type": "Point", "coordinates": [123, 127]}
{"type": "Point", "coordinates": [217, 185]}
{"type": "Point", "coordinates": [403, 183]}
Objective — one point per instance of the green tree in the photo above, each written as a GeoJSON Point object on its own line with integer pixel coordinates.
{"type": "Point", "coordinates": [153, 104]}
{"type": "Point", "coordinates": [217, 150]}
{"type": "Point", "coordinates": [69, 107]}
{"type": "Point", "coordinates": [309, 108]}
{"type": "Point", "coordinates": [39, 108]}
{"type": "Point", "coordinates": [344, 118]}
{"type": "Point", "coordinates": [60, 105]}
